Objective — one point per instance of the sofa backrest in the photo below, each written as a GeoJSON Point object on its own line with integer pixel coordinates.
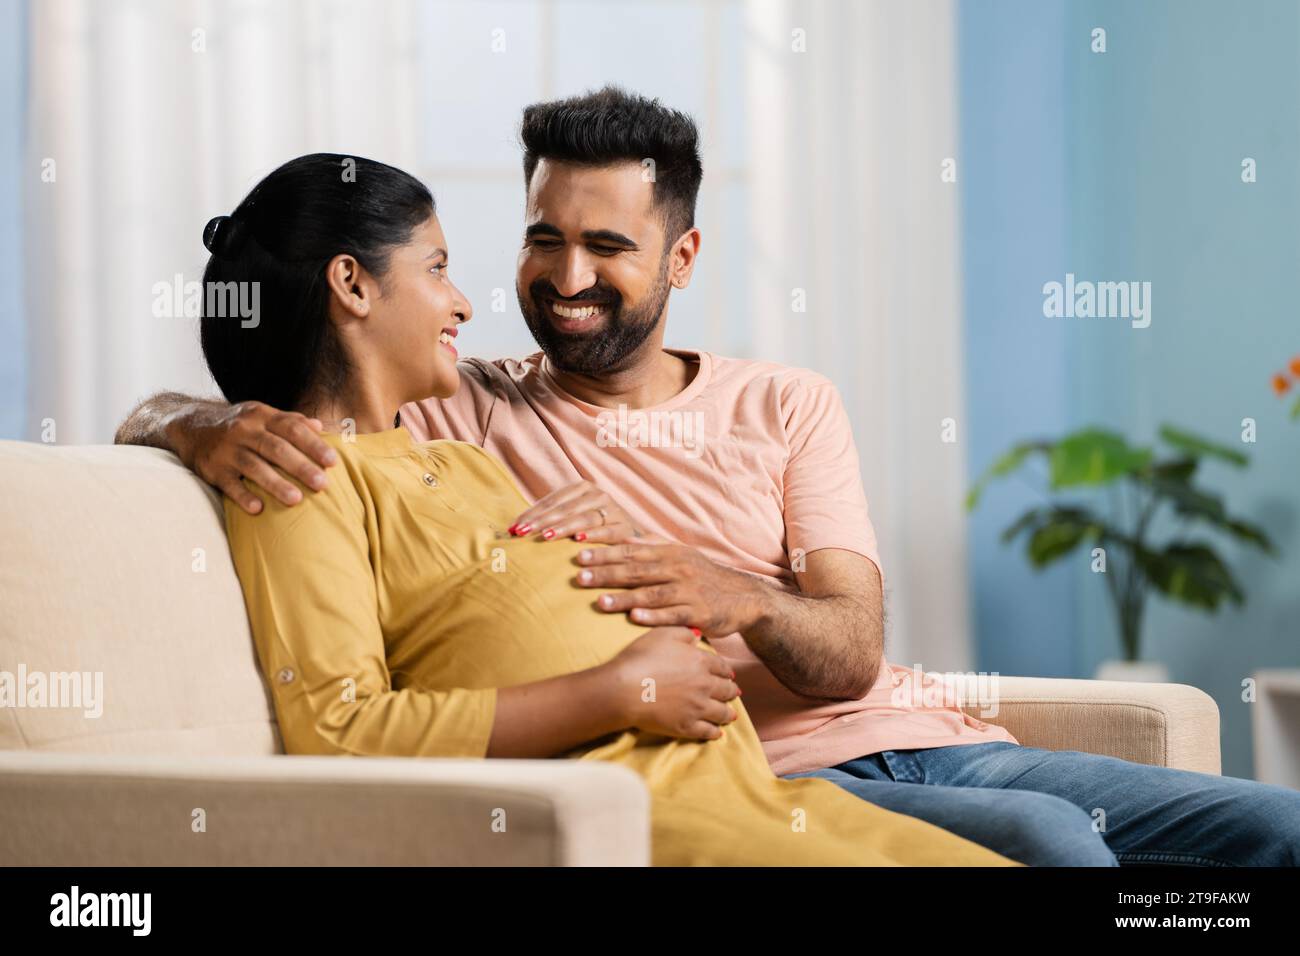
{"type": "Point", "coordinates": [115, 575]}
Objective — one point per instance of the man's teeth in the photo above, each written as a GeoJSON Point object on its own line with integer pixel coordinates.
{"type": "Point", "coordinates": [565, 312]}
{"type": "Point", "coordinates": [445, 338]}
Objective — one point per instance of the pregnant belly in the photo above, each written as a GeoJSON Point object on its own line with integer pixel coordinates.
{"type": "Point", "coordinates": [512, 616]}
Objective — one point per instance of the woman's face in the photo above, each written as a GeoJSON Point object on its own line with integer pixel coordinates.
{"type": "Point", "coordinates": [415, 318]}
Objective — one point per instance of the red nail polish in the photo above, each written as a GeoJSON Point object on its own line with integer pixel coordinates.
{"type": "Point", "coordinates": [695, 631]}
{"type": "Point", "coordinates": [513, 529]}
{"type": "Point", "coordinates": [548, 534]}
{"type": "Point", "coordinates": [524, 529]}
{"type": "Point", "coordinates": [580, 536]}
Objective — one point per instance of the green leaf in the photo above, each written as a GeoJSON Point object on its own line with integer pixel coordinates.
{"type": "Point", "coordinates": [1190, 573]}
{"type": "Point", "coordinates": [1004, 466]}
{"type": "Point", "coordinates": [1251, 533]}
{"type": "Point", "coordinates": [1190, 502]}
{"type": "Point", "coordinates": [1094, 457]}
{"type": "Point", "coordinates": [1029, 519]}
{"type": "Point", "coordinates": [1053, 541]}
{"type": "Point", "coordinates": [1175, 469]}
{"type": "Point", "coordinates": [1195, 445]}
{"type": "Point", "coordinates": [1059, 532]}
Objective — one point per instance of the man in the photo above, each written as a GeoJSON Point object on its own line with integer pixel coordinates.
{"type": "Point", "coordinates": [731, 494]}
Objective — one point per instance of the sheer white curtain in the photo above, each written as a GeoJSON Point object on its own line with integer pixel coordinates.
{"type": "Point", "coordinates": [152, 116]}
{"type": "Point", "coordinates": [825, 127]}
{"type": "Point", "coordinates": [852, 113]}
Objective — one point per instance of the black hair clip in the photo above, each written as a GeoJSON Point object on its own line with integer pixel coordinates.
{"type": "Point", "coordinates": [224, 236]}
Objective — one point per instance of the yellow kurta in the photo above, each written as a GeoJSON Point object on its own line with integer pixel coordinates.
{"type": "Point", "coordinates": [388, 608]}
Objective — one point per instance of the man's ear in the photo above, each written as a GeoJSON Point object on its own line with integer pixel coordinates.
{"type": "Point", "coordinates": [350, 285]}
{"type": "Point", "coordinates": [681, 258]}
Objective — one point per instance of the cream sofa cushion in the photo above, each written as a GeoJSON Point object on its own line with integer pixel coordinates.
{"type": "Point", "coordinates": [113, 561]}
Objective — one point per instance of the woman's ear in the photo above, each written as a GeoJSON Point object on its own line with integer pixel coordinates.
{"type": "Point", "coordinates": [350, 285]}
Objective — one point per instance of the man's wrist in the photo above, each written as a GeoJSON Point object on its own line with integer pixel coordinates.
{"type": "Point", "coordinates": [758, 607]}
{"type": "Point", "coordinates": [176, 428]}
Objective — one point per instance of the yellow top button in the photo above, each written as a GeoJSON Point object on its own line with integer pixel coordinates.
{"type": "Point", "coordinates": [285, 675]}
{"type": "Point", "coordinates": [429, 480]}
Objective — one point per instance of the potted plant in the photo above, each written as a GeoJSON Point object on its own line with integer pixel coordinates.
{"type": "Point", "coordinates": [1138, 484]}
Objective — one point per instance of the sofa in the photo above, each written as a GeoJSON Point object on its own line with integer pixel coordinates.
{"type": "Point", "coordinates": [156, 741]}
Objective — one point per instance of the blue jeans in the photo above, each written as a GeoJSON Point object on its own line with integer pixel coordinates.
{"type": "Point", "coordinates": [1067, 808]}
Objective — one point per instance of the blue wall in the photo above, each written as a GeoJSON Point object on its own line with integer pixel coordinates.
{"type": "Point", "coordinates": [13, 341]}
{"type": "Point", "coordinates": [1118, 166]}
{"type": "Point", "coordinates": [1015, 221]}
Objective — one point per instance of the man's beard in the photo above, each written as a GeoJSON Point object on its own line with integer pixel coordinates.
{"type": "Point", "coordinates": [601, 351]}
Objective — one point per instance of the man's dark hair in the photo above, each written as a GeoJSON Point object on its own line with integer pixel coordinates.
{"type": "Point", "coordinates": [612, 125]}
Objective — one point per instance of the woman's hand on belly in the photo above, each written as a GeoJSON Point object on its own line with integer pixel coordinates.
{"type": "Point", "coordinates": [668, 685]}
{"type": "Point", "coordinates": [580, 511]}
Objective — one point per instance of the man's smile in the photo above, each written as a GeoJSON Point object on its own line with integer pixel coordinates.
{"type": "Point", "coordinates": [579, 317]}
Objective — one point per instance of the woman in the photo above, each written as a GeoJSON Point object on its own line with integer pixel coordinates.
{"type": "Point", "coordinates": [396, 615]}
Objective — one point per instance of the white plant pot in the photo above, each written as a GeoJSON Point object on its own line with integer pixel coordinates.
{"type": "Point", "coordinates": [1151, 672]}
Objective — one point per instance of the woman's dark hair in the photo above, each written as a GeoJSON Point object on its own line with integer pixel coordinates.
{"type": "Point", "coordinates": [612, 125]}
{"type": "Point", "coordinates": [281, 237]}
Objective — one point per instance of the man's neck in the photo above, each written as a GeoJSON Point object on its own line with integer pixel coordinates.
{"type": "Point", "coordinates": [646, 382]}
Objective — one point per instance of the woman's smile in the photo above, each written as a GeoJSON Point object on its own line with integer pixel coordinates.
{"type": "Point", "coordinates": [446, 337]}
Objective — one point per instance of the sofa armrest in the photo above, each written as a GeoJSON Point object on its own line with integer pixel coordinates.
{"type": "Point", "coordinates": [61, 809]}
{"type": "Point", "coordinates": [1169, 725]}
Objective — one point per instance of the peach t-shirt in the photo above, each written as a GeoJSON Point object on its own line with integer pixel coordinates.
{"type": "Point", "coordinates": [751, 463]}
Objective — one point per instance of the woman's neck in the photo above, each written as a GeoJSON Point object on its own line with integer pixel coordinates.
{"type": "Point", "coordinates": [361, 409]}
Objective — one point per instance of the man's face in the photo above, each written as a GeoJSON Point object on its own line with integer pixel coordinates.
{"type": "Point", "coordinates": [592, 279]}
